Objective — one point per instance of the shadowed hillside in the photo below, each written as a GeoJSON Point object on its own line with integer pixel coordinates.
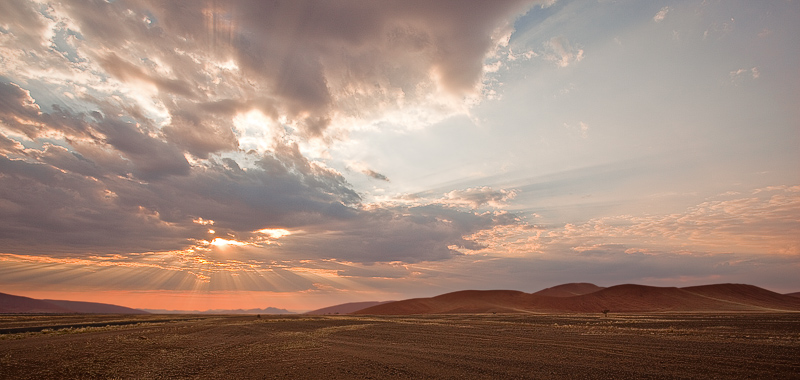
{"type": "Point", "coordinates": [620, 298]}
{"type": "Point", "coordinates": [95, 308]}
{"type": "Point", "coordinates": [466, 301]}
{"type": "Point", "coordinates": [346, 308]}
{"type": "Point", "coordinates": [18, 304]}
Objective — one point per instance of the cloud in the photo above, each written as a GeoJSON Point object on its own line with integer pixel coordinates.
{"type": "Point", "coordinates": [737, 76]}
{"type": "Point", "coordinates": [375, 175]}
{"type": "Point", "coordinates": [200, 134]}
{"type": "Point", "coordinates": [398, 234]}
{"type": "Point", "coordinates": [479, 196]}
{"type": "Point", "coordinates": [661, 15]}
{"type": "Point", "coordinates": [18, 110]}
{"type": "Point", "coordinates": [121, 187]}
{"type": "Point", "coordinates": [582, 127]}
{"type": "Point", "coordinates": [116, 177]}
{"type": "Point", "coordinates": [561, 51]}
{"type": "Point", "coordinates": [313, 62]}
{"type": "Point", "coordinates": [9, 146]}
{"type": "Point", "coordinates": [124, 70]}
{"type": "Point", "coordinates": [763, 224]}
{"type": "Point", "coordinates": [150, 157]}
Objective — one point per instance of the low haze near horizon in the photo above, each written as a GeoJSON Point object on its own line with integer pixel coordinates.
{"type": "Point", "coordinates": [243, 154]}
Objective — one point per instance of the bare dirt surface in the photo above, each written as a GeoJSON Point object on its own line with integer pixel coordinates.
{"type": "Point", "coordinates": [476, 346]}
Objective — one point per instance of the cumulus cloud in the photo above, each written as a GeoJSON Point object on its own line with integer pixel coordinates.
{"type": "Point", "coordinates": [141, 117]}
{"type": "Point", "coordinates": [309, 62]}
{"type": "Point", "coordinates": [121, 188]}
{"type": "Point", "coordinates": [63, 202]}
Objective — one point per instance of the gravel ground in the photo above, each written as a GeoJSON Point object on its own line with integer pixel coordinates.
{"type": "Point", "coordinates": [510, 346]}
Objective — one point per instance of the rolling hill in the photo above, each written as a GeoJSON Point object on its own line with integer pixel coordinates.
{"type": "Point", "coordinates": [17, 304]}
{"type": "Point", "coordinates": [346, 308]}
{"type": "Point", "coordinates": [620, 298]}
{"type": "Point", "coordinates": [570, 290]}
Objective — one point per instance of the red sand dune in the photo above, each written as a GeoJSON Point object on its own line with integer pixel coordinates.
{"type": "Point", "coordinates": [795, 294]}
{"type": "Point", "coordinates": [18, 304]}
{"type": "Point", "coordinates": [95, 308]}
{"type": "Point", "coordinates": [346, 308]}
{"type": "Point", "coordinates": [570, 290]}
{"type": "Point", "coordinates": [620, 298]}
{"type": "Point", "coordinates": [466, 301]}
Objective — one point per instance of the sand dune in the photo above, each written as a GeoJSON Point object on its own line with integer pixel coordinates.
{"type": "Point", "coordinates": [620, 298]}
{"type": "Point", "coordinates": [95, 308]}
{"type": "Point", "coordinates": [18, 304]}
{"type": "Point", "coordinates": [570, 290]}
{"type": "Point", "coordinates": [466, 301]}
{"type": "Point", "coordinates": [346, 308]}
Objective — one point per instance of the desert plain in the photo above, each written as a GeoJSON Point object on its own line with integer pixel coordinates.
{"type": "Point", "coordinates": [455, 346]}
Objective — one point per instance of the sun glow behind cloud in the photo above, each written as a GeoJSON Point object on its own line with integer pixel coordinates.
{"type": "Point", "coordinates": [275, 233]}
{"type": "Point", "coordinates": [220, 242]}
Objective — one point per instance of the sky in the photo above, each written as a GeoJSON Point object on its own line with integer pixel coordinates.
{"type": "Point", "coordinates": [194, 155]}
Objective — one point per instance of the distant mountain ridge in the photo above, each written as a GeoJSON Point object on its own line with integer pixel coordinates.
{"type": "Point", "coordinates": [18, 304]}
{"type": "Point", "coordinates": [620, 298]}
{"type": "Point", "coordinates": [268, 310]}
